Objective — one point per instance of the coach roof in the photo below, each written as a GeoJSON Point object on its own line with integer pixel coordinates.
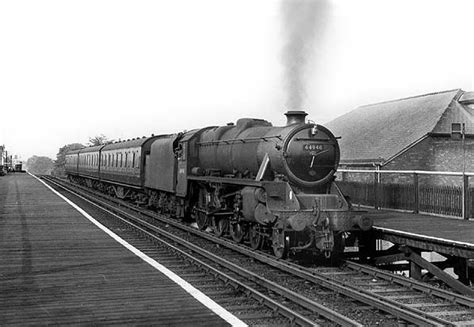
{"type": "Point", "coordinates": [134, 143]}
{"type": "Point", "coordinates": [94, 148]}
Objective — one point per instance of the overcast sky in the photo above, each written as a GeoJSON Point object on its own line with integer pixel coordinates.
{"type": "Point", "coordinates": [70, 70]}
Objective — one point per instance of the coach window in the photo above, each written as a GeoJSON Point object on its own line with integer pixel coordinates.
{"type": "Point", "coordinates": [121, 155]}
{"type": "Point", "coordinates": [116, 160]}
{"type": "Point", "coordinates": [126, 159]}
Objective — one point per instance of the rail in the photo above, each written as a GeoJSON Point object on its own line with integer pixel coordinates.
{"type": "Point", "coordinates": [309, 275]}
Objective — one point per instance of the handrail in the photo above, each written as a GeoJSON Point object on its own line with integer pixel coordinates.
{"type": "Point", "coordinates": [419, 172]}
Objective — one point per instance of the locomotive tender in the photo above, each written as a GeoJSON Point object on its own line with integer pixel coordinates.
{"type": "Point", "coordinates": [254, 181]}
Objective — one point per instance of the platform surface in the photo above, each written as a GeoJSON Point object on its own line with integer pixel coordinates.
{"type": "Point", "coordinates": [56, 267]}
{"type": "Point", "coordinates": [448, 232]}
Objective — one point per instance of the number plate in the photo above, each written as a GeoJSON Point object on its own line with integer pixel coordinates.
{"type": "Point", "coordinates": [312, 147]}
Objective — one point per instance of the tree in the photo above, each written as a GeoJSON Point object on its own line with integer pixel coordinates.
{"type": "Point", "coordinates": [99, 140]}
{"type": "Point", "coordinates": [60, 162]}
{"type": "Point", "coordinates": [39, 165]}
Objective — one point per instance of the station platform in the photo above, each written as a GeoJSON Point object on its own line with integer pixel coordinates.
{"type": "Point", "coordinates": [58, 268]}
{"type": "Point", "coordinates": [432, 233]}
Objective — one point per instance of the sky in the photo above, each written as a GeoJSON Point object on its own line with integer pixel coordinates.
{"type": "Point", "coordinates": [71, 70]}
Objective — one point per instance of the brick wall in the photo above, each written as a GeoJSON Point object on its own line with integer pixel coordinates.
{"type": "Point", "coordinates": [435, 153]}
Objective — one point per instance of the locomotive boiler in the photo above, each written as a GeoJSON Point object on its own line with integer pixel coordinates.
{"type": "Point", "coordinates": [262, 184]}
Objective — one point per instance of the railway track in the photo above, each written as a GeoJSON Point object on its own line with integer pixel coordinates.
{"type": "Point", "coordinates": [303, 294]}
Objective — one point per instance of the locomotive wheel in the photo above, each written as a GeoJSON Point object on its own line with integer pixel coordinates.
{"type": "Point", "coordinates": [220, 226]}
{"type": "Point", "coordinates": [237, 232]}
{"type": "Point", "coordinates": [280, 244]}
{"type": "Point", "coordinates": [202, 220]}
{"type": "Point", "coordinates": [255, 237]}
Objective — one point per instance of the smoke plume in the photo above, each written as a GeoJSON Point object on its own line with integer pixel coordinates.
{"type": "Point", "coordinates": [303, 26]}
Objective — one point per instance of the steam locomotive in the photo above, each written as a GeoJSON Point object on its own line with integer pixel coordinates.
{"type": "Point", "coordinates": [261, 184]}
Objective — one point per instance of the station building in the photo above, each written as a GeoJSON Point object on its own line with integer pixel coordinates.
{"type": "Point", "coordinates": [430, 132]}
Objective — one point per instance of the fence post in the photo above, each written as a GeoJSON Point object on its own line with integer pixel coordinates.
{"type": "Point", "coordinates": [417, 197]}
{"type": "Point", "coordinates": [465, 197]}
{"type": "Point", "coordinates": [375, 191]}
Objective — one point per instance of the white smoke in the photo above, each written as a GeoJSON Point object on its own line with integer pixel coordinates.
{"type": "Point", "coordinates": [303, 25]}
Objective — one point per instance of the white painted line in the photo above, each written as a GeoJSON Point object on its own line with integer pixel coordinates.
{"type": "Point", "coordinates": [198, 295]}
{"type": "Point", "coordinates": [423, 236]}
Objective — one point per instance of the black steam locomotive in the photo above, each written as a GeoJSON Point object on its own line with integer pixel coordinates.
{"type": "Point", "coordinates": [257, 182]}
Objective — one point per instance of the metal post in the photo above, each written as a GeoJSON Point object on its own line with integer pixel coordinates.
{"type": "Point", "coordinates": [417, 198]}
{"type": "Point", "coordinates": [465, 197]}
{"type": "Point", "coordinates": [465, 179]}
{"type": "Point", "coordinates": [377, 188]}
{"type": "Point", "coordinates": [376, 198]}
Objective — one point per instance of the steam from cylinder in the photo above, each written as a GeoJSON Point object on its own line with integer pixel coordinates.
{"type": "Point", "coordinates": [303, 25]}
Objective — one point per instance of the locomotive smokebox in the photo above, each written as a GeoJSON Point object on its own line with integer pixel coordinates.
{"type": "Point", "coordinates": [295, 117]}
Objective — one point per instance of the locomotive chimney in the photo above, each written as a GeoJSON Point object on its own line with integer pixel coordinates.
{"type": "Point", "coordinates": [295, 117]}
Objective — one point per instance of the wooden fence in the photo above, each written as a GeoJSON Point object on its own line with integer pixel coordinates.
{"type": "Point", "coordinates": [447, 200]}
{"type": "Point", "coordinates": [442, 200]}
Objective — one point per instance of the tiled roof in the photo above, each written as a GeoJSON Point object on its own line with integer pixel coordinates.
{"type": "Point", "coordinates": [467, 98]}
{"type": "Point", "coordinates": [378, 132]}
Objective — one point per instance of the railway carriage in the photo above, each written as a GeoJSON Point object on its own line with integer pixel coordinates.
{"type": "Point", "coordinates": [123, 166]}
{"type": "Point", "coordinates": [259, 183]}
{"type": "Point", "coordinates": [72, 161]}
{"type": "Point", "coordinates": [88, 162]}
